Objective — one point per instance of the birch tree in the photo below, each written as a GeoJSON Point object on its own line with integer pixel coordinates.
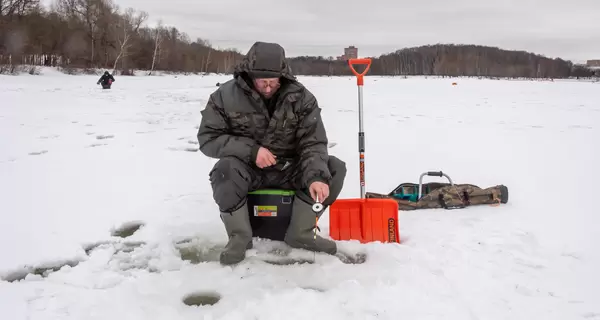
{"type": "Point", "coordinates": [127, 27]}
{"type": "Point", "coordinates": [157, 45]}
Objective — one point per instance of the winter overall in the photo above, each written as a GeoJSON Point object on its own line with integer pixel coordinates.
{"type": "Point", "coordinates": [237, 121]}
{"type": "Point", "coordinates": [106, 80]}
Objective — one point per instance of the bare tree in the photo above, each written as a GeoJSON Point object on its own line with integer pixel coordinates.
{"type": "Point", "coordinates": [157, 44]}
{"type": "Point", "coordinates": [86, 12]}
{"type": "Point", "coordinates": [229, 60]}
{"type": "Point", "coordinates": [207, 61]}
{"type": "Point", "coordinates": [75, 46]}
{"type": "Point", "coordinates": [128, 25]}
{"type": "Point", "coordinates": [14, 44]}
{"type": "Point", "coordinates": [8, 8]}
{"type": "Point", "coordinates": [96, 33]}
{"type": "Point", "coordinates": [18, 8]}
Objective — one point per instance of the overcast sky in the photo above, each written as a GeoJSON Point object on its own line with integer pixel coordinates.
{"type": "Point", "coordinates": [555, 28]}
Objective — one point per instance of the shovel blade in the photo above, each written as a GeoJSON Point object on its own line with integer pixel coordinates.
{"type": "Point", "coordinates": [365, 220]}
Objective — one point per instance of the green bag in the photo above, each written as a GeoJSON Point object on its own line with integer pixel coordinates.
{"type": "Point", "coordinates": [432, 195]}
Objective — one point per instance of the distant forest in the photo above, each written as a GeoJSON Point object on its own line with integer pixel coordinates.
{"type": "Point", "coordinates": [90, 34]}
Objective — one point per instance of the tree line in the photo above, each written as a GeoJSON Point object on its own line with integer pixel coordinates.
{"type": "Point", "coordinates": [98, 34]}
{"type": "Point", "coordinates": [93, 34]}
{"type": "Point", "coordinates": [452, 60]}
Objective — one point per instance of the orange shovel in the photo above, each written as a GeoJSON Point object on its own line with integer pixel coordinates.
{"type": "Point", "coordinates": [363, 219]}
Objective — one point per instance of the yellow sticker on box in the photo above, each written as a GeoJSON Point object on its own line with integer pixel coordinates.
{"type": "Point", "coordinates": [265, 211]}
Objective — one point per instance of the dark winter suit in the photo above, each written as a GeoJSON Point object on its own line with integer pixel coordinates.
{"type": "Point", "coordinates": [237, 120]}
{"type": "Point", "coordinates": [106, 80]}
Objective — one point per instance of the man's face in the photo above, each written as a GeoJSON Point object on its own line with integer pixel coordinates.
{"type": "Point", "coordinates": [267, 86]}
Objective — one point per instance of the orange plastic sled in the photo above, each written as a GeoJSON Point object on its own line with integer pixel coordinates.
{"type": "Point", "coordinates": [363, 219]}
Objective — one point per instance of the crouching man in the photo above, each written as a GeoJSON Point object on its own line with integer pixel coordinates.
{"type": "Point", "coordinates": [266, 130]}
{"type": "Point", "coordinates": [106, 80]}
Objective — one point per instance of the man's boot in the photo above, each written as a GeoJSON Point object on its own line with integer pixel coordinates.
{"type": "Point", "coordinates": [237, 225]}
{"type": "Point", "coordinates": [301, 233]}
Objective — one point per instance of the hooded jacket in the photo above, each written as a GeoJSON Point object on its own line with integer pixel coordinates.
{"type": "Point", "coordinates": [236, 120]}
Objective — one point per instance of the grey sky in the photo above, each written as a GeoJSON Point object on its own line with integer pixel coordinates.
{"type": "Point", "coordinates": [555, 28]}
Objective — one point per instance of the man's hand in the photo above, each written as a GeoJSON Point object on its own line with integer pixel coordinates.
{"type": "Point", "coordinates": [264, 158]}
{"type": "Point", "coordinates": [320, 189]}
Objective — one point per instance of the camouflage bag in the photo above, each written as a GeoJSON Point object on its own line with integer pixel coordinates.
{"type": "Point", "coordinates": [412, 196]}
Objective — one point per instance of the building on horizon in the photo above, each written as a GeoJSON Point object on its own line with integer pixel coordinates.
{"type": "Point", "coordinates": [593, 63]}
{"type": "Point", "coordinates": [350, 52]}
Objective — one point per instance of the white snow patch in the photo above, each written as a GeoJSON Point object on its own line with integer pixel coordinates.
{"type": "Point", "coordinates": [78, 162]}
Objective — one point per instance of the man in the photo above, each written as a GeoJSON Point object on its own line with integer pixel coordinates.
{"type": "Point", "coordinates": [266, 130]}
{"type": "Point", "coordinates": [106, 79]}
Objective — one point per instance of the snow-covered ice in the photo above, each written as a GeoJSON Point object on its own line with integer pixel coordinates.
{"type": "Point", "coordinates": [77, 163]}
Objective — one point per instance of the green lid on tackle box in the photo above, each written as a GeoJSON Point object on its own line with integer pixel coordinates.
{"type": "Point", "coordinates": [270, 212]}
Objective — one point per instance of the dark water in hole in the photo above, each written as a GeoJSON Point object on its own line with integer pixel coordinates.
{"type": "Point", "coordinates": [202, 299]}
{"type": "Point", "coordinates": [358, 258]}
{"type": "Point", "coordinates": [43, 271]}
{"type": "Point", "coordinates": [196, 254]}
{"type": "Point", "coordinates": [314, 289]}
{"type": "Point", "coordinates": [127, 230]}
{"type": "Point", "coordinates": [288, 262]}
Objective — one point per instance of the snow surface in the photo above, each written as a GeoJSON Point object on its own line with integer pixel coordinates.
{"type": "Point", "coordinates": [77, 162]}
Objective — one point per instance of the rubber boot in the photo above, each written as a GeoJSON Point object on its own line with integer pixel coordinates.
{"type": "Point", "coordinates": [301, 233]}
{"type": "Point", "coordinates": [237, 225]}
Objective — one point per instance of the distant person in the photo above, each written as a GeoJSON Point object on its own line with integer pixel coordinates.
{"type": "Point", "coordinates": [266, 130]}
{"type": "Point", "coordinates": [106, 80]}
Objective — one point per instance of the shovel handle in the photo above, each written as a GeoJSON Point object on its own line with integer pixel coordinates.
{"type": "Point", "coordinates": [359, 76]}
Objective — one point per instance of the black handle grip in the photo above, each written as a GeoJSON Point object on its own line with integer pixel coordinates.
{"type": "Point", "coordinates": [435, 174]}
